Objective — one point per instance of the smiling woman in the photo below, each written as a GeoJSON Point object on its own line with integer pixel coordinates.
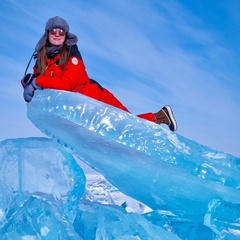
{"type": "Point", "coordinates": [56, 36]}
{"type": "Point", "coordinates": [60, 66]}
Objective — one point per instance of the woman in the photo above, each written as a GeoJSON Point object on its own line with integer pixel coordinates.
{"type": "Point", "coordinates": [60, 66]}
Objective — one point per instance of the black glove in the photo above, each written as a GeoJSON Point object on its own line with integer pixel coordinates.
{"type": "Point", "coordinates": [28, 79]}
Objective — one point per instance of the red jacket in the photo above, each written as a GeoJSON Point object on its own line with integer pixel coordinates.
{"type": "Point", "coordinates": [73, 78]}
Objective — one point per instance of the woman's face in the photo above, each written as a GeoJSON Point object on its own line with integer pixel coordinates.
{"type": "Point", "coordinates": [56, 36]}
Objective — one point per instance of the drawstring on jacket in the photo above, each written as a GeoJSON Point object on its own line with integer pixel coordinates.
{"type": "Point", "coordinates": [34, 54]}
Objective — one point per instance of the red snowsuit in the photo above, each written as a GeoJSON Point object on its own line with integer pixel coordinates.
{"type": "Point", "coordinates": [74, 78]}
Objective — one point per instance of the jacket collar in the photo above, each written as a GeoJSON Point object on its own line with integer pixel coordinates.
{"type": "Point", "coordinates": [54, 59]}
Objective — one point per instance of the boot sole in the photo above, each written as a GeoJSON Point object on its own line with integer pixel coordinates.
{"type": "Point", "coordinates": [173, 123]}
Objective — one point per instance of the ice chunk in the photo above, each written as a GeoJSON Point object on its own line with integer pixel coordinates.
{"type": "Point", "coordinates": [96, 221]}
{"type": "Point", "coordinates": [184, 228]}
{"type": "Point", "coordinates": [178, 178]}
{"type": "Point", "coordinates": [38, 219]}
{"type": "Point", "coordinates": [124, 128]}
{"type": "Point", "coordinates": [39, 167]}
{"type": "Point", "coordinates": [128, 226]}
{"type": "Point", "coordinates": [224, 219]}
{"type": "Point", "coordinates": [161, 169]}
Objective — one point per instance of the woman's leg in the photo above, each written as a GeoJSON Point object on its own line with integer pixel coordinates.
{"type": "Point", "coordinates": [110, 99]}
{"type": "Point", "coordinates": [148, 116]}
{"type": "Point", "coordinates": [165, 114]}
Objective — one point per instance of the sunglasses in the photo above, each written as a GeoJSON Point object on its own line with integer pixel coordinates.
{"type": "Point", "coordinates": [60, 31]}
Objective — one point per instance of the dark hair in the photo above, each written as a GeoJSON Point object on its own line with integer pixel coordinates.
{"type": "Point", "coordinates": [42, 55]}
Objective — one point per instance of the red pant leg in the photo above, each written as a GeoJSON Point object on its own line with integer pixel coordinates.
{"type": "Point", "coordinates": [148, 116]}
{"type": "Point", "coordinates": [110, 99]}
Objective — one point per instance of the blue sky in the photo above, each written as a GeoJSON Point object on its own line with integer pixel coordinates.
{"type": "Point", "coordinates": [148, 53]}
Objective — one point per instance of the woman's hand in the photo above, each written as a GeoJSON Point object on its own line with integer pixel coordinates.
{"type": "Point", "coordinates": [29, 84]}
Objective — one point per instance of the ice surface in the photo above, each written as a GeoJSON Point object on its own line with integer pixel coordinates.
{"type": "Point", "coordinates": [41, 168]}
{"type": "Point", "coordinates": [193, 190]}
{"type": "Point", "coordinates": [38, 219]}
{"type": "Point", "coordinates": [98, 189]}
{"type": "Point", "coordinates": [223, 219]}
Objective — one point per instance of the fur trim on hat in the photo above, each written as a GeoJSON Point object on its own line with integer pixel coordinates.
{"type": "Point", "coordinates": [41, 42]}
{"type": "Point", "coordinates": [71, 39]}
{"type": "Point", "coordinates": [57, 22]}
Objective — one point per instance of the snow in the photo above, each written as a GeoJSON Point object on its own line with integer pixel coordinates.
{"type": "Point", "coordinates": [98, 189]}
{"type": "Point", "coordinates": [150, 183]}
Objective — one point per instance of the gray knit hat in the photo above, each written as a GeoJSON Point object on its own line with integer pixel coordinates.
{"type": "Point", "coordinates": [56, 22]}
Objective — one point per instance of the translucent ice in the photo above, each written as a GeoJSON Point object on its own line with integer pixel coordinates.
{"type": "Point", "coordinates": [224, 219]}
{"type": "Point", "coordinates": [38, 167]}
{"type": "Point", "coordinates": [192, 189]}
{"type": "Point", "coordinates": [161, 169]}
{"type": "Point", "coordinates": [38, 219]}
{"type": "Point", "coordinates": [95, 221]}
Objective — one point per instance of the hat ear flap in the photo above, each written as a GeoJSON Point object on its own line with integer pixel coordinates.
{"type": "Point", "coordinates": [71, 39]}
{"type": "Point", "coordinates": [41, 42]}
